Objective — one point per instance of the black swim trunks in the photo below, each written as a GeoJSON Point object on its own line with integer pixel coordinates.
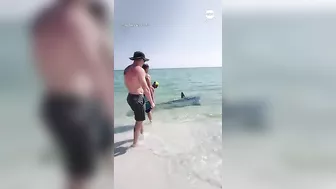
{"type": "Point", "coordinates": [81, 129]}
{"type": "Point", "coordinates": [137, 102]}
{"type": "Point", "coordinates": [148, 107]}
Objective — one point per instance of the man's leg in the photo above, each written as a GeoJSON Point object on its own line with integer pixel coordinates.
{"type": "Point", "coordinates": [76, 183]}
{"type": "Point", "coordinates": [150, 116]}
{"type": "Point", "coordinates": [137, 130]}
{"type": "Point", "coordinates": [74, 137]}
{"type": "Point", "coordinates": [142, 129]}
{"type": "Point", "coordinates": [137, 105]}
{"type": "Point", "coordinates": [82, 157]}
{"type": "Point", "coordinates": [106, 138]}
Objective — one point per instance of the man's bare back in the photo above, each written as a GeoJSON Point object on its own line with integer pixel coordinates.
{"type": "Point", "coordinates": [131, 78]}
{"type": "Point", "coordinates": [59, 55]}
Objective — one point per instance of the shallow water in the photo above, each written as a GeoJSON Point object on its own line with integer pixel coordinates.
{"type": "Point", "coordinates": [188, 138]}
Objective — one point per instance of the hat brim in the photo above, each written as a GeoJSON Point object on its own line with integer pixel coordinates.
{"type": "Point", "coordinates": [145, 59]}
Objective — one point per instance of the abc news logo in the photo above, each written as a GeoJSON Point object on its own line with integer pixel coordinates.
{"type": "Point", "coordinates": [209, 14]}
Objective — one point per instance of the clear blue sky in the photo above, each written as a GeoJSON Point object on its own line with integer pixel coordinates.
{"type": "Point", "coordinates": [177, 33]}
{"type": "Point", "coordinates": [244, 6]}
{"type": "Point", "coordinates": [172, 34]}
{"type": "Point", "coordinates": [20, 9]}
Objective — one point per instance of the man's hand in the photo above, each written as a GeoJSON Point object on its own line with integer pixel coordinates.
{"type": "Point", "coordinates": [153, 105]}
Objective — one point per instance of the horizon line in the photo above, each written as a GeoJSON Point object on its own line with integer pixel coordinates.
{"type": "Point", "coordinates": [177, 68]}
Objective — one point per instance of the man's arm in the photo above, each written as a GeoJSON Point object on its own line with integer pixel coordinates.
{"type": "Point", "coordinates": [142, 79]}
{"type": "Point", "coordinates": [153, 96]}
{"type": "Point", "coordinates": [107, 51]}
{"type": "Point", "coordinates": [148, 80]}
{"type": "Point", "coordinates": [89, 45]}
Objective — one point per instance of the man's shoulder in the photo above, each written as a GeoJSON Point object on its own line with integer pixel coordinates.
{"type": "Point", "coordinates": [135, 69]}
{"type": "Point", "coordinates": [126, 69]}
{"type": "Point", "coordinates": [40, 20]}
{"type": "Point", "coordinates": [139, 69]}
{"type": "Point", "coordinates": [43, 17]}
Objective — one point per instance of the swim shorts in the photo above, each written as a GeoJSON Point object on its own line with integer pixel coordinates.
{"type": "Point", "coordinates": [148, 107]}
{"type": "Point", "coordinates": [137, 102]}
{"type": "Point", "coordinates": [81, 129]}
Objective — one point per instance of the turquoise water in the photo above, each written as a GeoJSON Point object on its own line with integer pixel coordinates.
{"type": "Point", "coordinates": [188, 137]}
{"type": "Point", "coordinates": [204, 82]}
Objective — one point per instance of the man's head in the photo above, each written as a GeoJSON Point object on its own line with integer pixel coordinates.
{"type": "Point", "coordinates": [145, 67]}
{"type": "Point", "coordinates": [139, 58]}
{"type": "Point", "coordinates": [155, 84]}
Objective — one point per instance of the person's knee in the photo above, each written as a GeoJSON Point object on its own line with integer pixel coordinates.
{"type": "Point", "coordinates": [138, 125]}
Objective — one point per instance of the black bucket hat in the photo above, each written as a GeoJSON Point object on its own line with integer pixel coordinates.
{"type": "Point", "coordinates": [139, 55]}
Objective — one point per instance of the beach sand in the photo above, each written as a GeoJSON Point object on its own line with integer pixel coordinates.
{"type": "Point", "coordinates": [140, 167]}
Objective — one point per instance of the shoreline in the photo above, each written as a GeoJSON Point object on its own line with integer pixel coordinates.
{"type": "Point", "coordinates": [136, 167]}
{"type": "Point", "coordinates": [140, 167]}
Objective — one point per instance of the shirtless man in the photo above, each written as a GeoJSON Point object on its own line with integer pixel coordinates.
{"type": "Point", "coordinates": [135, 81]}
{"type": "Point", "coordinates": [72, 59]}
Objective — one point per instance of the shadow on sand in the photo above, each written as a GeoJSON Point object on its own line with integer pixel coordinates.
{"type": "Point", "coordinates": [245, 116]}
{"type": "Point", "coordinates": [119, 149]}
{"type": "Point", "coordinates": [123, 128]}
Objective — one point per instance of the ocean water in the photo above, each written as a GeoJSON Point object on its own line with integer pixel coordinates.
{"type": "Point", "coordinates": [190, 137]}
{"type": "Point", "coordinates": [283, 66]}
{"type": "Point", "coordinates": [28, 158]}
